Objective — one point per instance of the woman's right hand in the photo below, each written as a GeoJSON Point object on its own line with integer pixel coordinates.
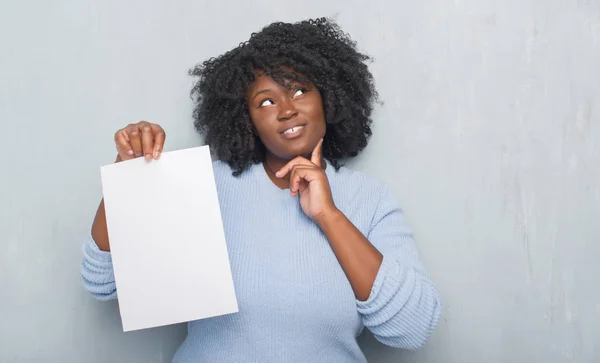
{"type": "Point", "coordinates": [140, 139]}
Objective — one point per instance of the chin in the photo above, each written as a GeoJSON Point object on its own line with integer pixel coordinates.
{"type": "Point", "coordinates": [292, 151]}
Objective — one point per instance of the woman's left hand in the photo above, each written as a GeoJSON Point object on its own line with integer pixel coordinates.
{"type": "Point", "coordinates": [308, 179]}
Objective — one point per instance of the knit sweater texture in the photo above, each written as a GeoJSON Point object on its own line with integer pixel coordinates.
{"type": "Point", "coordinates": [295, 302]}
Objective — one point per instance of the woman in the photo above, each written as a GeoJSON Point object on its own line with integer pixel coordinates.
{"type": "Point", "coordinates": [317, 251]}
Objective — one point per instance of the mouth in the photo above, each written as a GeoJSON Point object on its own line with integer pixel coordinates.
{"type": "Point", "coordinates": [292, 132]}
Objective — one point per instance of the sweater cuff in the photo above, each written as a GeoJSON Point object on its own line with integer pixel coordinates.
{"type": "Point", "coordinates": [90, 248]}
{"type": "Point", "coordinates": [384, 288]}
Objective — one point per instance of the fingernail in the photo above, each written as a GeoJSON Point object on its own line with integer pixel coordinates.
{"type": "Point", "coordinates": [148, 157]}
{"type": "Point", "coordinates": [157, 154]}
{"type": "Point", "coordinates": [130, 152]}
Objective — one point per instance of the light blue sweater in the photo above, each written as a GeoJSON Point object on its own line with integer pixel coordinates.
{"type": "Point", "coordinates": [295, 302]}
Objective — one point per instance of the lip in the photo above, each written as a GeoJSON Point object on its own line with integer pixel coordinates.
{"type": "Point", "coordinates": [292, 135]}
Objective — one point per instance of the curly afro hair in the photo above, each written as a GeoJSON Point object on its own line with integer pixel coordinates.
{"type": "Point", "coordinates": [314, 51]}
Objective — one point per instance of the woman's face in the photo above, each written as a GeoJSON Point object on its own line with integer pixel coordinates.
{"type": "Point", "coordinates": [289, 122]}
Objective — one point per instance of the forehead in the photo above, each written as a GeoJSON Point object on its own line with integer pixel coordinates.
{"type": "Point", "coordinates": [261, 78]}
{"type": "Point", "coordinates": [262, 81]}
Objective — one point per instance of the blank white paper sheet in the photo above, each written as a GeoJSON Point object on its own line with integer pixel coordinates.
{"type": "Point", "coordinates": [167, 242]}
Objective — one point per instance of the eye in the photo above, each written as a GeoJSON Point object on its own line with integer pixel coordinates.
{"type": "Point", "coordinates": [266, 103]}
{"type": "Point", "coordinates": [299, 92]}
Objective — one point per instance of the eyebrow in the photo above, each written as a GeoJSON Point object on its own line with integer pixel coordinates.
{"type": "Point", "coordinates": [261, 92]}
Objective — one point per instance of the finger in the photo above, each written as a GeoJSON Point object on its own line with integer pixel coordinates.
{"type": "Point", "coordinates": [296, 176]}
{"type": "Point", "coordinates": [135, 138]}
{"type": "Point", "coordinates": [302, 175]}
{"type": "Point", "coordinates": [317, 154]}
{"type": "Point", "coordinates": [159, 140]}
{"type": "Point", "coordinates": [302, 186]}
{"type": "Point", "coordinates": [123, 146]}
{"type": "Point", "coordinates": [290, 165]}
{"type": "Point", "coordinates": [147, 139]}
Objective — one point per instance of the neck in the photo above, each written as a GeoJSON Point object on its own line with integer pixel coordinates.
{"type": "Point", "coordinates": [273, 163]}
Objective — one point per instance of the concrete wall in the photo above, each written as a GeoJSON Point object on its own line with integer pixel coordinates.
{"type": "Point", "coordinates": [490, 136]}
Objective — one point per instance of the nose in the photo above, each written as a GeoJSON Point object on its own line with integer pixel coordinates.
{"type": "Point", "coordinates": [287, 110]}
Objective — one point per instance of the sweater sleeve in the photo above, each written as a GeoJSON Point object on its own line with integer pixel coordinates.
{"type": "Point", "coordinates": [404, 306]}
{"type": "Point", "coordinates": [97, 271]}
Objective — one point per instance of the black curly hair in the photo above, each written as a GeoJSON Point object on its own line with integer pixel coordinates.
{"type": "Point", "coordinates": [318, 52]}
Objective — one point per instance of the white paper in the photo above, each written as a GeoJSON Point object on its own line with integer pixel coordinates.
{"type": "Point", "coordinates": [167, 242]}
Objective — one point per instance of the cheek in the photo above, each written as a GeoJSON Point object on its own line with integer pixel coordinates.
{"type": "Point", "coordinates": [318, 106]}
{"type": "Point", "coordinates": [259, 123]}
{"type": "Point", "coordinates": [255, 118]}
{"type": "Point", "coordinates": [319, 114]}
